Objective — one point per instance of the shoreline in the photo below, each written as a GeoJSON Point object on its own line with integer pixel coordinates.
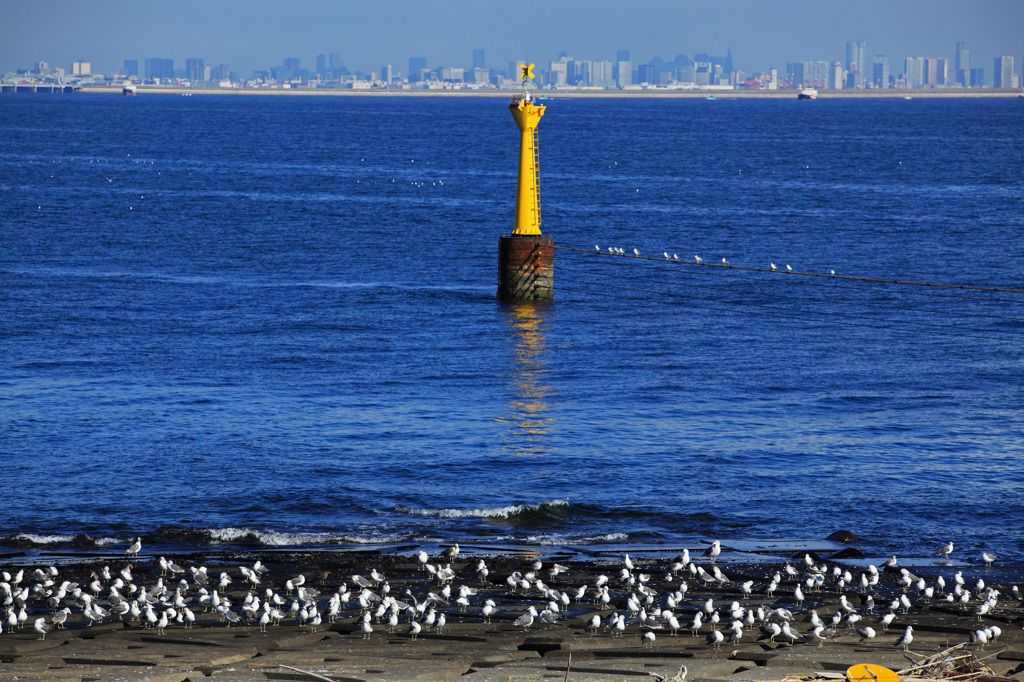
{"type": "Point", "coordinates": [471, 648]}
{"type": "Point", "coordinates": [951, 93]}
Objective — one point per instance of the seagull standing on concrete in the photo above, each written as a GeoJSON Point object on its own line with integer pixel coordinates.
{"type": "Point", "coordinates": [42, 627]}
{"type": "Point", "coordinates": [946, 550]}
{"type": "Point", "coordinates": [526, 620]}
{"type": "Point", "coordinates": [906, 639]}
{"type": "Point", "coordinates": [133, 549]}
{"type": "Point", "coordinates": [866, 633]}
{"type": "Point", "coordinates": [714, 550]}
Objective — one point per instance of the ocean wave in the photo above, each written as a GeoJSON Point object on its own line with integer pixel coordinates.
{"type": "Point", "coordinates": [550, 508]}
{"type": "Point", "coordinates": [32, 540]}
{"type": "Point", "coordinates": [270, 538]}
{"type": "Point", "coordinates": [561, 540]}
{"type": "Point", "coordinates": [40, 539]}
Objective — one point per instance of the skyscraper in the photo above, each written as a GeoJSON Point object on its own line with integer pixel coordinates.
{"type": "Point", "coordinates": [914, 70]}
{"type": "Point", "coordinates": [936, 72]}
{"type": "Point", "coordinates": [963, 64]}
{"type": "Point", "coordinates": [416, 66]}
{"type": "Point", "coordinates": [880, 72]}
{"type": "Point", "coordinates": [1002, 76]}
{"type": "Point", "coordinates": [856, 60]}
{"type": "Point", "coordinates": [559, 72]}
{"type": "Point", "coordinates": [159, 68]}
{"type": "Point", "coordinates": [623, 69]}
{"type": "Point", "coordinates": [131, 68]}
{"type": "Point", "coordinates": [194, 69]}
{"type": "Point", "coordinates": [835, 76]}
{"type": "Point", "coordinates": [334, 61]}
{"type": "Point", "coordinates": [292, 66]}
{"type": "Point", "coordinates": [623, 74]}
{"type": "Point", "coordinates": [478, 58]}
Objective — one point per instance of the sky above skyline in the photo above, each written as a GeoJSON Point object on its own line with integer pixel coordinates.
{"type": "Point", "coordinates": [259, 34]}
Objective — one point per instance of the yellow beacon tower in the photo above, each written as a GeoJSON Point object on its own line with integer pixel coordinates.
{"type": "Point", "coordinates": [527, 116]}
{"type": "Point", "coordinates": [526, 258]}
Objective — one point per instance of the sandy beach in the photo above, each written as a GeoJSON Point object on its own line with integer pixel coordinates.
{"type": "Point", "coordinates": [469, 648]}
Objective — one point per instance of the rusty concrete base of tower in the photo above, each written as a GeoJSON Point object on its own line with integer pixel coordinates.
{"type": "Point", "coordinates": [526, 268]}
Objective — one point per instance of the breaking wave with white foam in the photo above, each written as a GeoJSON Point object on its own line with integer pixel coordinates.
{"type": "Point", "coordinates": [270, 538]}
{"type": "Point", "coordinates": [506, 512]}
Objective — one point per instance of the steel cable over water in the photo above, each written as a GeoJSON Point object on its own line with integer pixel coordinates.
{"type": "Point", "coordinates": [594, 281]}
{"type": "Point", "coordinates": [793, 272]}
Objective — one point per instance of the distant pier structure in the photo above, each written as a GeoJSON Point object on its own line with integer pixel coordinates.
{"type": "Point", "coordinates": [526, 257]}
{"type": "Point", "coordinates": [39, 87]}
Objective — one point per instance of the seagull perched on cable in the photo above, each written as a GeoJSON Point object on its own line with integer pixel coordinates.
{"type": "Point", "coordinates": [773, 266]}
{"type": "Point", "coordinates": [698, 259]}
{"type": "Point", "coordinates": [636, 252]}
{"type": "Point", "coordinates": [789, 268]}
{"type": "Point", "coordinates": [725, 262]}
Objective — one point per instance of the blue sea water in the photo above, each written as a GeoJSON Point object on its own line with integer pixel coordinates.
{"type": "Point", "coordinates": [239, 320]}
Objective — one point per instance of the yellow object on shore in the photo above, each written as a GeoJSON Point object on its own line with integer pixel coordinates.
{"type": "Point", "coordinates": [527, 116]}
{"type": "Point", "coordinates": [869, 672]}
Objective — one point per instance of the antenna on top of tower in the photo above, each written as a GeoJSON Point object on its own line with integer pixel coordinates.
{"type": "Point", "coordinates": [526, 76]}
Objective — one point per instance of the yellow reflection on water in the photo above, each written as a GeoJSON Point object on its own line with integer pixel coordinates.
{"type": "Point", "coordinates": [527, 417]}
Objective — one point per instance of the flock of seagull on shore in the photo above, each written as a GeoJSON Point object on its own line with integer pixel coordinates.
{"type": "Point", "coordinates": [174, 597]}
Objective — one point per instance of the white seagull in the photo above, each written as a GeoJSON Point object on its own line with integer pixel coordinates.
{"type": "Point", "coordinates": [946, 550]}
{"type": "Point", "coordinates": [133, 549]}
{"type": "Point", "coordinates": [716, 547]}
{"type": "Point", "coordinates": [526, 620]}
{"type": "Point", "coordinates": [42, 627]}
{"type": "Point", "coordinates": [906, 639]}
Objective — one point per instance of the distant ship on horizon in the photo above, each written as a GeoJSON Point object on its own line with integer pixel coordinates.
{"type": "Point", "coordinates": [128, 89]}
{"type": "Point", "coordinates": [808, 93]}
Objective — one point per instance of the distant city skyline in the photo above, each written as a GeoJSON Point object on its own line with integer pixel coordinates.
{"type": "Point", "coordinates": [261, 34]}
